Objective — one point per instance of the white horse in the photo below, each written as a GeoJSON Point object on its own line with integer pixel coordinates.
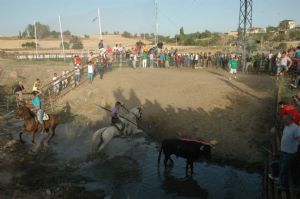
{"type": "Point", "coordinates": [103, 136]}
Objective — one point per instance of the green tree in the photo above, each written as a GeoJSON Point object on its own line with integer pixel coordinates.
{"type": "Point", "coordinates": [42, 30]}
{"type": "Point", "coordinates": [271, 29]}
{"type": "Point", "coordinates": [294, 35]}
{"type": "Point", "coordinates": [20, 35]}
{"type": "Point", "coordinates": [76, 42]}
{"type": "Point", "coordinates": [67, 33]}
{"type": "Point", "coordinates": [30, 45]}
{"type": "Point", "coordinates": [126, 34]}
{"type": "Point", "coordinates": [29, 31]}
{"type": "Point", "coordinates": [282, 46]}
{"type": "Point", "coordinates": [280, 37]}
{"type": "Point", "coordinates": [189, 42]}
{"type": "Point", "coordinates": [284, 25]}
{"type": "Point", "coordinates": [181, 31]}
{"type": "Point", "coordinates": [66, 45]}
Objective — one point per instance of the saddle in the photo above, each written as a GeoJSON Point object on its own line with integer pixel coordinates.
{"type": "Point", "coordinates": [120, 129]}
{"type": "Point", "coordinates": [45, 116]}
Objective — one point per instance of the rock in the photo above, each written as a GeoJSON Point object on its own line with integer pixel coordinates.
{"type": "Point", "coordinates": [82, 182]}
{"type": "Point", "coordinates": [10, 144]}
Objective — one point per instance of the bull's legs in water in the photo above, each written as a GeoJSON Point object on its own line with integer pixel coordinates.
{"type": "Point", "coordinates": [189, 163]}
{"type": "Point", "coordinates": [20, 136]}
{"type": "Point", "coordinates": [166, 160]}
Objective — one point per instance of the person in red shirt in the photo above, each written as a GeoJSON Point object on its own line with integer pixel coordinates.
{"type": "Point", "coordinates": [77, 60]}
{"type": "Point", "coordinates": [289, 109]}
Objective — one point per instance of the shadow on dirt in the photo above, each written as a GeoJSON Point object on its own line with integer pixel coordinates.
{"type": "Point", "coordinates": [65, 164]}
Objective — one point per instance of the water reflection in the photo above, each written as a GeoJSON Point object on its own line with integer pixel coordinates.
{"type": "Point", "coordinates": [186, 186]}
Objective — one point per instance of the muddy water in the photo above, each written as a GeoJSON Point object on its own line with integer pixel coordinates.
{"type": "Point", "coordinates": [128, 168]}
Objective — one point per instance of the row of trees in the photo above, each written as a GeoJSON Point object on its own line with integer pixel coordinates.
{"type": "Point", "coordinates": [42, 31]}
{"type": "Point", "coordinates": [74, 43]}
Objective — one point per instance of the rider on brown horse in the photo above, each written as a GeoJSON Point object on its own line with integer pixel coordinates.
{"type": "Point", "coordinates": [38, 108]}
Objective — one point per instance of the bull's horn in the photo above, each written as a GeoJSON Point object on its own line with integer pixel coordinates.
{"type": "Point", "coordinates": [213, 142]}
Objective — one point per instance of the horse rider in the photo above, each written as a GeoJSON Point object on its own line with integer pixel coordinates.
{"type": "Point", "coordinates": [38, 108]}
{"type": "Point", "coordinates": [37, 86]}
{"type": "Point", "coordinates": [19, 91]}
{"type": "Point", "coordinates": [115, 120]}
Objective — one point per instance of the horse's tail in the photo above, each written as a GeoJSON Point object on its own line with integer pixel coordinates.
{"type": "Point", "coordinates": [161, 148]}
{"type": "Point", "coordinates": [97, 135]}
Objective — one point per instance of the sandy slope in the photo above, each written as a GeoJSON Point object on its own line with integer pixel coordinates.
{"type": "Point", "coordinates": [201, 103]}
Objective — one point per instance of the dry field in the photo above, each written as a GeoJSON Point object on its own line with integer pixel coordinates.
{"type": "Point", "coordinates": [52, 45]}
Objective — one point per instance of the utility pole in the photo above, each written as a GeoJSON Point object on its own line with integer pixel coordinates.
{"type": "Point", "coordinates": [156, 22]}
{"type": "Point", "coordinates": [99, 22]}
{"type": "Point", "coordinates": [36, 44]}
{"type": "Point", "coordinates": [62, 38]}
{"type": "Point", "coordinates": [245, 23]}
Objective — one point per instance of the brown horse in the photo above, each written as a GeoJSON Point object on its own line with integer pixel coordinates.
{"type": "Point", "coordinates": [31, 125]}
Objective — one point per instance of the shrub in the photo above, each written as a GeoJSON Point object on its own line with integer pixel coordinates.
{"type": "Point", "coordinates": [29, 45]}
{"type": "Point", "coordinates": [282, 46]}
{"type": "Point", "coordinates": [76, 42]}
{"type": "Point", "coordinates": [66, 45]}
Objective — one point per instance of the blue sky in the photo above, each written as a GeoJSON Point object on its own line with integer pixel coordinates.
{"type": "Point", "coordinates": [138, 16]}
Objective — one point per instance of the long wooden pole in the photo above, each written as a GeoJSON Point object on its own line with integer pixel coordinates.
{"type": "Point", "coordinates": [119, 116]}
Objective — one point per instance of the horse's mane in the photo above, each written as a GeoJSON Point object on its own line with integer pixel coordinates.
{"type": "Point", "coordinates": [31, 114]}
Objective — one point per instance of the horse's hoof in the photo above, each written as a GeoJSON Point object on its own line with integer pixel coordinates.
{"type": "Point", "coordinates": [22, 142]}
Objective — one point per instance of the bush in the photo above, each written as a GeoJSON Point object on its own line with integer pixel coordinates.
{"type": "Point", "coordinates": [126, 34]}
{"type": "Point", "coordinates": [66, 45]}
{"type": "Point", "coordinates": [282, 46]}
{"type": "Point", "coordinates": [76, 42]}
{"type": "Point", "coordinates": [77, 45]}
{"type": "Point", "coordinates": [189, 42]}
{"type": "Point", "coordinates": [29, 45]}
{"type": "Point", "coordinates": [86, 36]}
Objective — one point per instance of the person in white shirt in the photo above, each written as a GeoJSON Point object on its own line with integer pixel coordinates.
{"type": "Point", "coordinates": [56, 83]}
{"type": "Point", "coordinates": [284, 63]}
{"type": "Point", "coordinates": [90, 72]}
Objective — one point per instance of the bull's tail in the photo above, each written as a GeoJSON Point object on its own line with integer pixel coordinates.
{"type": "Point", "coordinates": [161, 148]}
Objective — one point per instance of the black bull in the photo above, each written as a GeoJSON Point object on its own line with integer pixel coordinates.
{"type": "Point", "coordinates": [190, 150]}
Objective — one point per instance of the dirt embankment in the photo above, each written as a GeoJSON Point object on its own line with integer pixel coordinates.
{"type": "Point", "coordinates": [176, 102]}
{"type": "Point", "coordinates": [203, 103]}
{"type": "Point", "coordinates": [199, 103]}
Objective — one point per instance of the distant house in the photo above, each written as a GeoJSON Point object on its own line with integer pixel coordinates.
{"type": "Point", "coordinates": [256, 30]}
{"type": "Point", "coordinates": [233, 33]}
{"type": "Point", "coordinates": [291, 24]}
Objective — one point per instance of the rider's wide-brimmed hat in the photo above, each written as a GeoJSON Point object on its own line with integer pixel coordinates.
{"type": "Point", "coordinates": [34, 92]}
